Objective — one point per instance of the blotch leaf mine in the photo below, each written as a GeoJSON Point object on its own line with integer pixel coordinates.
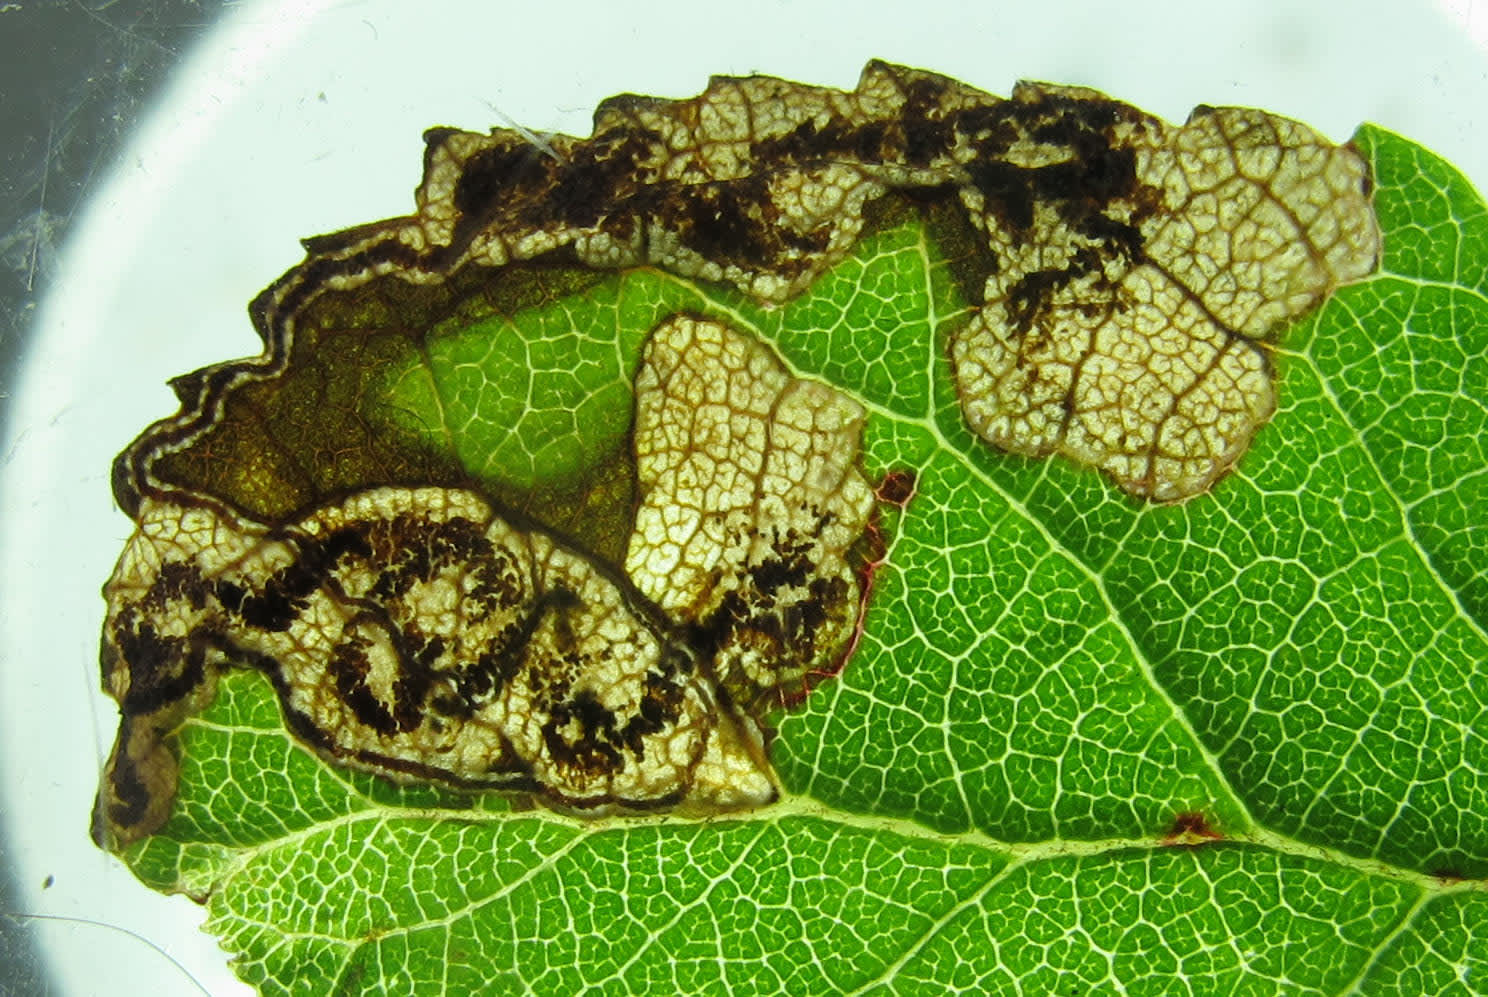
{"type": "Point", "coordinates": [803, 541]}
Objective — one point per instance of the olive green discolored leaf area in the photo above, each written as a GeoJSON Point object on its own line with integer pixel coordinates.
{"type": "Point", "coordinates": [979, 721]}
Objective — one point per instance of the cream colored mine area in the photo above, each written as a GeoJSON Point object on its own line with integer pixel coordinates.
{"type": "Point", "coordinates": [751, 499]}
{"type": "Point", "coordinates": [1155, 367]}
{"type": "Point", "coordinates": [1135, 273]}
{"type": "Point", "coordinates": [416, 632]}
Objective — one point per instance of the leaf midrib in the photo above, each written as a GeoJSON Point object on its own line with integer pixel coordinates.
{"type": "Point", "coordinates": [794, 806]}
{"type": "Point", "coordinates": [797, 805]}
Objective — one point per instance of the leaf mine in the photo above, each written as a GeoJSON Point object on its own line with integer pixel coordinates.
{"type": "Point", "coordinates": [606, 625]}
{"type": "Point", "coordinates": [420, 634]}
{"type": "Point", "coordinates": [417, 633]}
{"type": "Point", "coordinates": [752, 499]}
{"type": "Point", "coordinates": [1131, 273]}
{"type": "Point", "coordinates": [1144, 268]}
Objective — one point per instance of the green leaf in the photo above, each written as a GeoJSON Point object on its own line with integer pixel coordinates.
{"type": "Point", "coordinates": [1086, 744]}
{"type": "Point", "coordinates": [355, 889]}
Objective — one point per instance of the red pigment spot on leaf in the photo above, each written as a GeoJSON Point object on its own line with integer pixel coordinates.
{"type": "Point", "coordinates": [1448, 874]}
{"type": "Point", "coordinates": [1191, 828]}
{"type": "Point", "coordinates": [896, 488]}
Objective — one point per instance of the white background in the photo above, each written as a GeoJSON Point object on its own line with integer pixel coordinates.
{"type": "Point", "coordinates": [295, 118]}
